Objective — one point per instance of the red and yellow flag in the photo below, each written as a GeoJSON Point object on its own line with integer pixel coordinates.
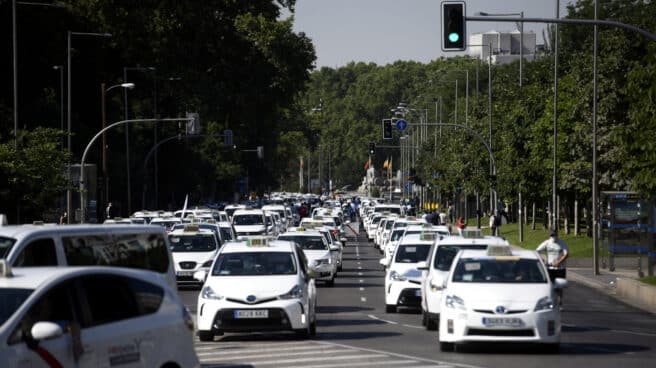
{"type": "Point", "coordinates": [367, 164]}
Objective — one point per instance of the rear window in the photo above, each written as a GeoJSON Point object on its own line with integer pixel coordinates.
{"type": "Point", "coordinates": [248, 220]}
{"type": "Point", "coordinates": [10, 301]}
{"type": "Point", "coordinates": [445, 254]}
{"type": "Point", "coordinates": [141, 251]}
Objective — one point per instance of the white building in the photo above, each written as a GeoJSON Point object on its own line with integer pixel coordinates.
{"type": "Point", "coordinates": [505, 46]}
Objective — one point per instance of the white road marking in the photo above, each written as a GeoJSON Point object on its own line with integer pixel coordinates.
{"type": "Point", "coordinates": [361, 289]}
{"type": "Point", "coordinates": [634, 333]}
{"type": "Point", "coordinates": [360, 274]}
{"type": "Point", "coordinates": [293, 361]}
{"type": "Point", "coordinates": [376, 363]}
{"type": "Point", "coordinates": [363, 299]}
{"type": "Point", "coordinates": [380, 319]}
{"type": "Point", "coordinates": [361, 281]}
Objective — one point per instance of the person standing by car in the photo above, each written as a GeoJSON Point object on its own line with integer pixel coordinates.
{"type": "Point", "coordinates": [493, 224]}
{"type": "Point", "coordinates": [557, 253]}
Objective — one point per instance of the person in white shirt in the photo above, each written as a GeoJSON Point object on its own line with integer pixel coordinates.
{"type": "Point", "coordinates": [557, 253]}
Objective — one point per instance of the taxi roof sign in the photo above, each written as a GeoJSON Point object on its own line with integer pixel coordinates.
{"type": "Point", "coordinates": [5, 269]}
{"type": "Point", "coordinates": [499, 251]}
{"type": "Point", "coordinates": [191, 228]}
{"type": "Point", "coordinates": [427, 236]}
{"type": "Point", "coordinates": [260, 241]}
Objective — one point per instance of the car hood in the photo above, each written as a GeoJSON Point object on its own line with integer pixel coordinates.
{"type": "Point", "coordinates": [198, 257]}
{"type": "Point", "coordinates": [240, 287]}
{"type": "Point", "coordinates": [249, 228]}
{"type": "Point", "coordinates": [511, 296]}
{"type": "Point", "coordinates": [311, 255]}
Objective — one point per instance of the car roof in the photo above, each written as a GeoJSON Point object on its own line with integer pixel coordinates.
{"type": "Point", "coordinates": [249, 211]}
{"type": "Point", "coordinates": [20, 231]}
{"type": "Point", "coordinates": [264, 244]}
{"type": "Point", "coordinates": [307, 232]}
{"type": "Point", "coordinates": [459, 240]}
{"type": "Point", "coordinates": [416, 239]}
{"type": "Point", "coordinates": [36, 277]}
{"type": "Point", "coordinates": [514, 252]}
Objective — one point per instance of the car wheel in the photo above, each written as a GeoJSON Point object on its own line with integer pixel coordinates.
{"type": "Point", "coordinates": [313, 328]}
{"type": "Point", "coordinates": [424, 318]}
{"type": "Point", "coordinates": [390, 308]}
{"type": "Point", "coordinates": [432, 323]}
{"type": "Point", "coordinates": [339, 268]}
{"type": "Point", "coordinates": [205, 335]}
{"type": "Point", "coordinates": [447, 346]}
{"type": "Point", "coordinates": [331, 282]}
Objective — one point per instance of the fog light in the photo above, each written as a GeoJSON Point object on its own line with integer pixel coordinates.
{"type": "Point", "coordinates": [551, 328]}
{"type": "Point", "coordinates": [449, 326]}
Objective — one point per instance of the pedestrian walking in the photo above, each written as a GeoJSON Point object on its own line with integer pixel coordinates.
{"type": "Point", "coordinates": [63, 219]}
{"type": "Point", "coordinates": [493, 224]}
{"type": "Point", "coordinates": [556, 254]}
{"type": "Point", "coordinates": [109, 211]}
{"type": "Point", "coordinates": [449, 212]}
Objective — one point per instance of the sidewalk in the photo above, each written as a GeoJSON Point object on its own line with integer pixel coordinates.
{"type": "Point", "coordinates": [621, 284]}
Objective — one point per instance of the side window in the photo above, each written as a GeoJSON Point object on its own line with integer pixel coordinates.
{"type": "Point", "coordinates": [143, 251]}
{"type": "Point", "coordinates": [54, 306]}
{"type": "Point", "coordinates": [40, 252]}
{"type": "Point", "coordinates": [112, 298]}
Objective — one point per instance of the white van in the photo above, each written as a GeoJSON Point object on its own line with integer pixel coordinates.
{"type": "Point", "coordinates": [133, 246]}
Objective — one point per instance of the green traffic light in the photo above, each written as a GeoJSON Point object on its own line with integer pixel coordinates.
{"type": "Point", "coordinates": [454, 37]}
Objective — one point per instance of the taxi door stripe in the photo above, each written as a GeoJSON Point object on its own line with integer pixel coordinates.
{"type": "Point", "coordinates": [48, 358]}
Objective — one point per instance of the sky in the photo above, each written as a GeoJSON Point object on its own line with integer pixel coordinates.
{"type": "Point", "coordinates": [384, 31]}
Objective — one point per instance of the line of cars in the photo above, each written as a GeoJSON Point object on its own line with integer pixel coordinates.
{"type": "Point", "coordinates": [471, 287]}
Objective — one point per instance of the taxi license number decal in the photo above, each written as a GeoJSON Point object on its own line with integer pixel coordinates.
{"type": "Point", "coordinates": [255, 313]}
{"type": "Point", "coordinates": [502, 322]}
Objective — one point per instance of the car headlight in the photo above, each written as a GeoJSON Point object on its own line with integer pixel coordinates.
{"type": "Point", "coordinates": [455, 302]}
{"type": "Point", "coordinates": [322, 261]}
{"type": "Point", "coordinates": [208, 293]}
{"type": "Point", "coordinates": [395, 276]}
{"type": "Point", "coordinates": [295, 293]}
{"type": "Point", "coordinates": [544, 304]}
{"type": "Point", "coordinates": [208, 263]}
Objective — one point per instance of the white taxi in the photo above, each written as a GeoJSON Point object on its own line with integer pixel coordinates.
{"type": "Point", "coordinates": [92, 316]}
{"type": "Point", "coordinates": [502, 295]}
{"type": "Point", "coordinates": [257, 285]}
{"type": "Point", "coordinates": [438, 265]}
{"type": "Point", "coordinates": [402, 276]}
{"type": "Point", "coordinates": [321, 257]}
{"type": "Point", "coordinates": [193, 249]}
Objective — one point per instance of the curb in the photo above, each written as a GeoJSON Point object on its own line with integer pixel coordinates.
{"type": "Point", "coordinates": [626, 290]}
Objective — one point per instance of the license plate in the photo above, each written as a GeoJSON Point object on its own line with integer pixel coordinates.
{"type": "Point", "coordinates": [184, 273]}
{"type": "Point", "coordinates": [502, 322]}
{"type": "Point", "coordinates": [418, 292]}
{"type": "Point", "coordinates": [255, 313]}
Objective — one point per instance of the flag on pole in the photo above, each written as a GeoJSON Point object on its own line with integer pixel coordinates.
{"type": "Point", "coordinates": [385, 163]}
{"type": "Point", "coordinates": [389, 165]}
{"type": "Point", "coordinates": [367, 164]}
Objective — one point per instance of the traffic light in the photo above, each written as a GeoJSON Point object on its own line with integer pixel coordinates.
{"type": "Point", "coordinates": [387, 128]}
{"type": "Point", "coordinates": [372, 148]}
{"type": "Point", "coordinates": [453, 26]}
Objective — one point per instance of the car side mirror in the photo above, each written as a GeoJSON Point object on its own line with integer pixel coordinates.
{"type": "Point", "coordinates": [334, 249]}
{"type": "Point", "coordinates": [383, 262]}
{"type": "Point", "coordinates": [422, 266]}
{"type": "Point", "coordinates": [438, 283]}
{"type": "Point", "coordinates": [45, 330]}
{"type": "Point", "coordinates": [560, 283]}
{"type": "Point", "coordinates": [311, 273]}
{"type": "Point", "coordinates": [200, 275]}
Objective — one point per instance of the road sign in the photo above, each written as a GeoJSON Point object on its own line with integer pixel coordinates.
{"type": "Point", "coordinates": [401, 124]}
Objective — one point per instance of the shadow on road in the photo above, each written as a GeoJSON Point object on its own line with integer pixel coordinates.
{"type": "Point", "coordinates": [340, 309]}
{"type": "Point", "coordinates": [348, 322]}
{"type": "Point", "coordinates": [535, 349]}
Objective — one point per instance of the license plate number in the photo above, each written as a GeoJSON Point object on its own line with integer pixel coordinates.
{"type": "Point", "coordinates": [184, 273]}
{"type": "Point", "coordinates": [255, 313]}
{"type": "Point", "coordinates": [502, 322]}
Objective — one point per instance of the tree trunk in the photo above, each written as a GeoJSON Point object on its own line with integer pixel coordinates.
{"type": "Point", "coordinates": [533, 218]}
{"type": "Point", "coordinates": [576, 217]}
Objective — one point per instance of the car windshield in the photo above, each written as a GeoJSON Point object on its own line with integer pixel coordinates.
{"type": "Point", "coordinates": [499, 270]}
{"type": "Point", "coordinates": [400, 225]}
{"type": "Point", "coordinates": [412, 253]}
{"type": "Point", "coordinates": [389, 225]}
{"type": "Point", "coordinates": [5, 246]}
{"type": "Point", "coordinates": [10, 300]}
{"type": "Point", "coordinates": [307, 242]}
{"type": "Point", "coordinates": [254, 264]}
{"type": "Point", "coordinates": [247, 220]}
{"type": "Point", "coordinates": [193, 243]}
{"type": "Point", "coordinates": [445, 254]}
{"type": "Point", "coordinates": [396, 235]}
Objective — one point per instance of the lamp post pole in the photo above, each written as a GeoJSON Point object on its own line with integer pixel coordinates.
{"type": "Point", "coordinates": [103, 92]}
{"type": "Point", "coordinates": [70, 34]}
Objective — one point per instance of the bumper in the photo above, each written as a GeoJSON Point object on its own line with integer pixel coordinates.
{"type": "Point", "coordinates": [221, 315]}
{"type": "Point", "coordinates": [468, 326]}
{"type": "Point", "coordinates": [324, 272]}
{"type": "Point", "coordinates": [403, 294]}
{"type": "Point", "coordinates": [186, 277]}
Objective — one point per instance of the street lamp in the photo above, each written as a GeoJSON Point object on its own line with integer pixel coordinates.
{"type": "Point", "coordinates": [68, 58]}
{"type": "Point", "coordinates": [103, 92]}
{"type": "Point", "coordinates": [127, 129]}
{"type": "Point", "coordinates": [61, 101]}
{"type": "Point", "coordinates": [521, 36]}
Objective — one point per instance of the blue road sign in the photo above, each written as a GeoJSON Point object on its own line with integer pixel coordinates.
{"type": "Point", "coordinates": [401, 124]}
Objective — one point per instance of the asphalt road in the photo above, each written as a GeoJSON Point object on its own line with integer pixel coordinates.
{"type": "Point", "coordinates": [355, 331]}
